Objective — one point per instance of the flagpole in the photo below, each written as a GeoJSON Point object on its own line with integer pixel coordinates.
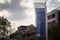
{"type": "Point", "coordinates": [46, 20]}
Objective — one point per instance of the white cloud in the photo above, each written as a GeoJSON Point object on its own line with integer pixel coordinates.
{"type": "Point", "coordinates": [28, 9]}
{"type": "Point", "coordinates": [7, 1]}
{"type": "Point", "coordinates": [27, 21]}
{"type": "Point", "coordinates": [19, 12]}
{"type": "Point", "coordinates": [1, 1]}
{"type": "Point", "coordinates": [4, 13]}
{"type": "Point", "coordinates": [26, 3]}
{"type": "Point", "coordinates": [52, 4]}
{"type": "Point", "coordinates": [48, 5]}
{"type": "Point", "coordinates": [58, 1]}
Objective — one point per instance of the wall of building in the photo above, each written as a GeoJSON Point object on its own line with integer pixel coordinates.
{"type": "Point", "coordinates": [52, 17]}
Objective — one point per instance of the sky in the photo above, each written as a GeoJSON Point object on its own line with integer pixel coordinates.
{"type": "Point", "coordinates": [21, 12]}
{"type": "Point", "coordinates": [52, 4]}
{"type": "Point", "coordinates": [18, 12]}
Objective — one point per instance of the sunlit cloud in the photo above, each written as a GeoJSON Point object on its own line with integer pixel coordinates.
{"type": "Point", "coordinates": [4, 13]}
{"type": "Point", "coordinates": [1, 1]}
{"type": "Point", "coordinates": [58, 1]}
{"type": "Point", "coordinates": [49, 8]}
{"type": "Point", "coordinates": [25, 22]}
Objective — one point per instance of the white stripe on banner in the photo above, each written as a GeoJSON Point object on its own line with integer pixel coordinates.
{"type": "Point", "coordinates": [39, 5]}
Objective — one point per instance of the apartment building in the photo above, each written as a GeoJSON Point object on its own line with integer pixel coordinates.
{"type": "Point", "coordinates": [53, 17]}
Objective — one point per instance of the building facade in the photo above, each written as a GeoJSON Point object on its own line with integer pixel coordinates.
{"type": "Point", "coordinates": [53, 17]}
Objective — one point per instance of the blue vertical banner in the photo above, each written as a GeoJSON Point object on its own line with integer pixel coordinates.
{"type": "Point", "coordinates": [40, 21]}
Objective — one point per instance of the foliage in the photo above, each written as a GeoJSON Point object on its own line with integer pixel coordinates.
{"type": "Point", "coordinates": [4, 27]}
{"type": "Point", "coordinates": [54, 31]}
{"type": "Point", "coordinates": [33, 38]}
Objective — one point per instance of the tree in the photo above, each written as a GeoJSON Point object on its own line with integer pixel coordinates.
{"type": "Point", "coordinates": [5, 26]}
{"type": "Point", "coordinates": [33, 38]}
{"type": "Point", "coordinates": [54, 31]}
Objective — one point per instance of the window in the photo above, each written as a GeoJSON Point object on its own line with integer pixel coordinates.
{"type": "Point", "coordinates": [51, 16]}
{"type": "Point", "coordinates": [51, 23]}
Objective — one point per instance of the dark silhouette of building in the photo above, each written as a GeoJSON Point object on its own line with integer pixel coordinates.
{"type": "Point", "coordinates": [24, 33]}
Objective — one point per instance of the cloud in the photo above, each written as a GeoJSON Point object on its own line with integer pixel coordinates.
{"type": "Point", "coordinates": [2, 1]}
{"type": "Point", "coordinates": [58, 1]}
{"type": "Point", "coordinates": [49, 7]}
{"type": "Point", "coordinates": [19, 12]}
{"type": "Point", "coordinates": [30, 18]}
{"type": "Point", "coordinates": [14, 8]}
{"type": "Point", "coordinates": [52, 4]}
{"type": "Point", "coordinates": [25, 22]}
{"type": "Point", "coordinates": [4, 13]}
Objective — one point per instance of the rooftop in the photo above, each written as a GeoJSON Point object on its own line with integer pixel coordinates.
{"type": "Point", "coordinates": [39, 1]}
